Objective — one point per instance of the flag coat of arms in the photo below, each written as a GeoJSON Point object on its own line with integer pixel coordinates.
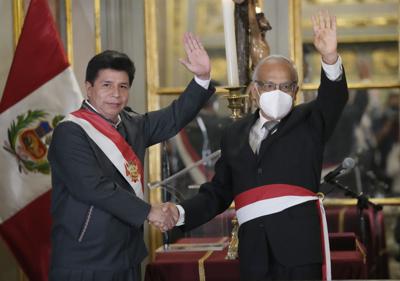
{"type": "Point", "coordinates": [40, 90]}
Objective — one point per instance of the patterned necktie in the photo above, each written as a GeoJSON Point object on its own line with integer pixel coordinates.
{"type": "Point", "coordinates": [268, 126]}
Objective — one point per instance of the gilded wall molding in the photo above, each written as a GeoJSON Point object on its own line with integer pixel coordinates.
{"type": "Point", "coordinates": [153, 103]}
{"type": "Point", "coordinates": [296, 38]}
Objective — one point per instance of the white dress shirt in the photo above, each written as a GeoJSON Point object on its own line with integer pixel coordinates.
{"type": "Point", "coordinates": [204, 83]}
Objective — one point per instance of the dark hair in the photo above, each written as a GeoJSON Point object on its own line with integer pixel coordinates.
{"type": "Point", "coordinates": [112, 60]}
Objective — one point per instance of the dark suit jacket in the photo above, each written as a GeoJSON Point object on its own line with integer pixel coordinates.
{"type": "Point", "coordinates": [292, 155]}
{"type": "Point", "coordinates": [97, 219]}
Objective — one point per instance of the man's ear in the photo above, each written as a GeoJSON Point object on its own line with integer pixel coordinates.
{"type": "Point", "coordinates": [296, 90]}
{"type": "Point", "coordinates": [253, 92]}
{"type": "Point", "coordinates": [88, 87]}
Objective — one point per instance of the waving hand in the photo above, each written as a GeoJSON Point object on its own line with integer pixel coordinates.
{"type": "Point", "coordinates": [325, 37]}
{"type": "Point", "coordinates": [197, 60]}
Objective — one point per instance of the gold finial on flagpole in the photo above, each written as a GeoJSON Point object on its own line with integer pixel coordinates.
{"type": "Point", "coordinates": [18, 19]}
{"type": "Point", "coordinates": [70, 43]}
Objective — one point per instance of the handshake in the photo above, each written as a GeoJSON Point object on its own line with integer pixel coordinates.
{"type": "Point", "coordinates": [163, 216]}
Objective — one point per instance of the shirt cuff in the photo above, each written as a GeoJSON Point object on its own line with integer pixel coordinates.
{"type": "Point", "coordinates": [181, 220]}
{"type": "Point", "coordinates": [204, 83]}
{"type": "Point", "coordinates": [333, 71]}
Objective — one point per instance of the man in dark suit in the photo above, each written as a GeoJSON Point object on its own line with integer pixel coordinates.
{"type": "Point", "coordinates": [96, 156]}
{"type": "Point", "coordinates": [274, 180]}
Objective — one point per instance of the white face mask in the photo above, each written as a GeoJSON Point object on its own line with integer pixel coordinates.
{"type": "Point", "coordinates": [275, 104]}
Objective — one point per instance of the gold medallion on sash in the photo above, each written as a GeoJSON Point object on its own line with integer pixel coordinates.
{"type": "Point", "coordinates": [131, 170]}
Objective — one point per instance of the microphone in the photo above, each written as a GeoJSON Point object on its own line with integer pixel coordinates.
{"type": "Point", "coordinates": [347, 164]}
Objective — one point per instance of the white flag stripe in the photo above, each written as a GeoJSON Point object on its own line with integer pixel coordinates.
{"type": "Point", "coordinates": [110, 150]}
{"type": "Point", "coordinates": [326, 243]}
{"type": "Point", "coordinates": [59, 95]}
{"type": "Point", "coordinates": [269, 206]}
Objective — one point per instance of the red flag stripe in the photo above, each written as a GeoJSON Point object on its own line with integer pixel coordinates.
{"type": "Point", "coordinates": [27, 234]}
{"type": "Point", "coordinates": [269, 191]}
{"type": "Point", "coordinates": [38, 57]}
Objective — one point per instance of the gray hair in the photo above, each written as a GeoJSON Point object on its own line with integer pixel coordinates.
{"type": "Point", "coordinates": [276, 57]}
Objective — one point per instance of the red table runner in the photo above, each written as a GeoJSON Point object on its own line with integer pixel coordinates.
{"type": "Point", "coordinates": [347, 263]}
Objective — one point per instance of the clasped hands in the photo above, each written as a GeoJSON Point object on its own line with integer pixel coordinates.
{"type": "Point", "coordinates": [163, 216]}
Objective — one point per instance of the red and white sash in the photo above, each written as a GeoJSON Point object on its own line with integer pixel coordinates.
{"type": "Point", "coordinates": [274, 198]}
{"type": "Point", "coordinates": [113, 145]}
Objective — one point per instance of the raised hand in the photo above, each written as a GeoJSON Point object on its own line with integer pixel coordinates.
{"type": "Point", "coordinates": [325, 37]}
{"type": "Point", "coordinates": [163, 216]}
{"type": "Point", "coordinates": [197, 60]}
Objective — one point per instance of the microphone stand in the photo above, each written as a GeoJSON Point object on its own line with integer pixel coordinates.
{"type": "Point", "coordinates": [166, 181]}
{"type": "Point", "coordinates": [165, 173]}
{"type": "Point", "coordinates": [362, 203]}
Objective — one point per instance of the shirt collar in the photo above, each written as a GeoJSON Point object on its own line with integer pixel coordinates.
{"type": "Point", "coordinates": [261, 120]}
{"type": "Point", "coordinates": [115, 125]}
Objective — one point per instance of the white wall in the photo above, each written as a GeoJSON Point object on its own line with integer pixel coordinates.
{"type": "Point", "coordinates": [123, 30]}
{"type": "Point", "coordinates": [83, 38]}
{"type": "Point", "coordinates": [6, 41]}
{"type": "Point", "coordinates": [277, 11]}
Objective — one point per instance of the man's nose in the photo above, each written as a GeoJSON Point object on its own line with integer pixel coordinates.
{"type": "Point", "coordinates": [115, 92]}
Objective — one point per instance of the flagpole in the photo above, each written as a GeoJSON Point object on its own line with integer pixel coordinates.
{"type": "Point", "coordinates": [18, 18]}
{"type": "Point", "coordinates": [97, 26]}
{"type": "Point", "coordinates": [21, 275]}
{"type": "Point", "coordinates": [70, 41]}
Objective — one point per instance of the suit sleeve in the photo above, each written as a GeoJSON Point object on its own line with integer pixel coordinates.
{"type": "Point", "coordinates": [167, 122]}
{"type": "Point", "coordinates": [213, 197]}
{"type": "Point", "coordinates": [75, 164]}
{"type": "Point", "coordinates": [331, 100]}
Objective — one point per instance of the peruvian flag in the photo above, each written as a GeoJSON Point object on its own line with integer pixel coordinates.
{"type": "Point", "coordinates": [40, 90]}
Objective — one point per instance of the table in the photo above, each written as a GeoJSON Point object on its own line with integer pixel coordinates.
{"type": "Point", "coordinates": [348, 262]}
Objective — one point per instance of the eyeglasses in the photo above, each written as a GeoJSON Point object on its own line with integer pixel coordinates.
{"type": "Point", "coordinates": [269, 86]}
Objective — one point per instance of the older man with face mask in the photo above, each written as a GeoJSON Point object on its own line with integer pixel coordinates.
{"type": "Point", "coordinates": [270, 167]}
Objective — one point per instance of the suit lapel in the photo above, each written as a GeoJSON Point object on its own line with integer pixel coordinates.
{"type": "Point", "coordinates": [286, 124]}
{"type": "Point", "coordinates": [244, 145]}
{"type": "Point", "coordinates": [271, 138]}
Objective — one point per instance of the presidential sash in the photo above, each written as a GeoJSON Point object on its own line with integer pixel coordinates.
{"type": "Point", "coordinates": [274, 198]}
{"type": "Point", "coordinates": [113, 145]}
